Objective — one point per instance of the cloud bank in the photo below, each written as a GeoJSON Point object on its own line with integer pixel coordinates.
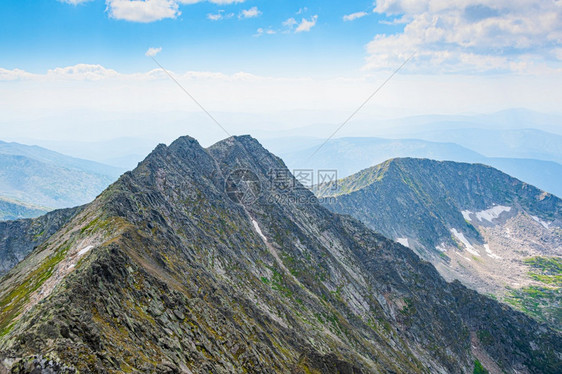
{"type": "Point", "coordinates": [250, 13]}
{"type": "Point", "coordinates": [354, 16]}
{"type": "Point", "coordinates": [307, 24]}
{"type": "Point", "coordinates": [470, 35]}
{"type": "Point", "coordinates": [151, 52]}
{"type": "Point", "coordinates": [145, 11]}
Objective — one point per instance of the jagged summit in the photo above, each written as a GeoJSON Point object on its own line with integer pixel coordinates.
{"type": "Point", "coordinates": [167, 272]}
{"type": "Point", "coordinates": [243, 139]}
{"type": "Point", "coordinates": [243, 147]}
{"type": "Point", "coordinates": [188, 149]}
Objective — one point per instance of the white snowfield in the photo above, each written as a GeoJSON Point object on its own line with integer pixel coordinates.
{"type": "Point", "coordinates": [546, 225]}
{"type": "Point", "coordinates": [486, 215]}
{"type": "Point", "coordinates": [403, 241]}
{"type": "Point", "coordinates": [490, 253]}
{"type": "Point", "coordinates": [460, 236]}
{"type": "Point", "coordinates": [258, 230]}
{"type": "Point", "coordinates": [85, 250]}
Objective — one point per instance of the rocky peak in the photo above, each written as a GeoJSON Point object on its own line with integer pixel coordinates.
{"type": "Point", "coordinates": [244, 151]}
{"type": "Point", "coordinates": [165, 273]}
{"type": "Point", "coordinates": [473, 222]}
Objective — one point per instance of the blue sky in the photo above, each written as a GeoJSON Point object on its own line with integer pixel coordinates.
{"type": "Point", "coordinates": [277, 64]}
{"type": "Point", "coordinates": [43, 34]}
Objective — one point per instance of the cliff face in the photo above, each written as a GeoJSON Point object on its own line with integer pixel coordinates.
{"type": "Point", "coordinates": [18, 238]}
{"type": "Point", "coordinates": [207, 261]}
{"type": "Point", "coordinates": [474, 223]}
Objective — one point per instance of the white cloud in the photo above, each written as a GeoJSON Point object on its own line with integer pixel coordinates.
{"type": "Point", "coordinates": [151, 10]}
{"type": "Point", "coordinates": [220, 15]}
{"type": "Point", "coordinates": [290, 23]}
{"type": "Point", "coordinates": [270, 103]}
{"type": "Point", "coordinates": [250, 13]}
{"type": "Point", "coordinates": [261, 31]}
{"type": "Point", "coordinates": [215, 17]}
{"type": "Point", "coordinates": [93, 72]}
{"type": "Point", "coordinates": [558, 53]}
{"type": "Point", "coordinates": [151, 52]}
{"type": "Point", "coordinates": [15, 74]}
{"type": "Point", "coordinates": [142, 10]}
{"type": "Point", "coordinates": [470, 35]}
{"type": "Point", "coordinates": [74, 2]}
{"type": "Point", "coordinates": [307, 25]}
{"type": "Point", "coordinates": [218, 2]}
{"type": "Point", "coordinates": [354, 16]}
{"type": "Point", "coordinates": [82, 72]}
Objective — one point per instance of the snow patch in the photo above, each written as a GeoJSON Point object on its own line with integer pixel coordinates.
{"type": "Point", "coordinates": [441, 247]}
{"type": "Point", "coordinates": [258, 230]}
{"type": "Point", "coordinates": [85, 250]}
{"type": "Point", "coordinates": [403, 241]}
{"type": "Point", "coordinates": [490, 253]}
{"type": "Point", "coordinates": [460, 236]}
{"type": "Point", "coordinates": [486, 215]}
{"type": "Point", "coordinates": [466, 214]}
{"type": "Point", "coordinates": [492, 213]}
{"type": "Point", "coordinates": [546, 225]}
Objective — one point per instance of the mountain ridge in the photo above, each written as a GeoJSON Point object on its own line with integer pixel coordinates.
{"type": "Point", "coordinates": [37, 176]}
{"type": "Point", "coordinates": [473, 222]}
{"type": "Point", "coordinates": [51, 157]}
{"type": "Point", "coordinates": [525, 143]}
{"type": "Point", "coordinates": [165, 260]}
{"type": "Point", "coordinates": [11, 209]}
{"type": "Point", "coordinates": [351, 155]}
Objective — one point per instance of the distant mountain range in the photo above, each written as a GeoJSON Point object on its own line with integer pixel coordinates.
{"type": "Point", "coordinates": [12, 209]}
{"type": "Point", "coordinates": [493, 232]}
{"type": "Point", "coordinates": [120, 153]}
{"type": "Point", "coordinates": [198, 262]}
{"type": "Point", "coordinates": [350, 155]}
{"type": "Point", "coordinates": [31, 175]}
{"type": "Point", "coordinates": [523, 143]}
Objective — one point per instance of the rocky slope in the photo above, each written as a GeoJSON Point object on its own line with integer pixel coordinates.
{"type": "Point", "coordinates": [473, 222]}
{"type": "Point", "coordinates": [205, 261]}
